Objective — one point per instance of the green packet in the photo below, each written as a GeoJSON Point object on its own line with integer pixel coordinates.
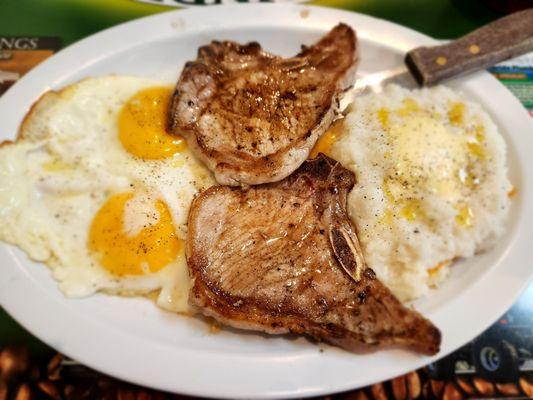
{"type": "Point", "coordinates": [517, 75]}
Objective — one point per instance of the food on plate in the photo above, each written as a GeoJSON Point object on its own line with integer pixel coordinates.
{"type": "Point", "coordinates": [100, 181]}
{"type": "Point", "coordinates": [252, 117]}
{"type": "Point", "coordinates": [432, 182]}
{"type": "Point", "coordinates": [95, 188]}
{"type": "Point", "coordinates": [284, 257]}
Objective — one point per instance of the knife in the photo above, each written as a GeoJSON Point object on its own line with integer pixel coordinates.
{"type": "Point", "coordinates": [497, 41]}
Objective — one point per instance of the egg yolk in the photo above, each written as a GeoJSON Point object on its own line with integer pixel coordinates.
{"type": "Point", "coordinates": [148, 249]}
{"type": "Point", "coordinates": [142, 125]}
{"type": "Point", "coordinates": [326, 141]}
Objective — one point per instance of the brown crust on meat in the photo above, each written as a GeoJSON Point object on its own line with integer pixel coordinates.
{"type": "Point", "coordinates": [253, 117]}
{"type": "Point", "coordinates": [261, 260]}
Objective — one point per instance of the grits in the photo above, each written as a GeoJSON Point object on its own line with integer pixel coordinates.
{"type": "Point", "coordinates": [431, 186]}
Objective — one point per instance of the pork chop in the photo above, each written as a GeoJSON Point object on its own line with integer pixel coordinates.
{"type": "Point", "coordinates": [253, 117]}
{"type": "Point", "coordinates": [284, 257]}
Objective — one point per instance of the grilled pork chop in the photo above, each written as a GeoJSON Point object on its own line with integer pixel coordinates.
{"type": "Point", "coordinates": [284, 257]}
{"type": "Point", "coordinates": [253, 117]}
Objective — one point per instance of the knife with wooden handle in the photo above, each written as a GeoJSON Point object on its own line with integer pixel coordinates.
{"type": "Point", "coordinates": [500, 40]}
{"type": "Point", "coordinates": [497, 41]}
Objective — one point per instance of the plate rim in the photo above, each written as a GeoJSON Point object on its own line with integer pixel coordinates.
{"type": "Point", "coordinates": [167, 23]}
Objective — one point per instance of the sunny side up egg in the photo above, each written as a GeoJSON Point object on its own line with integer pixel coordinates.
{"type": "Point", "coordinates": [431, 185]}
{"type": "Point", "coordinates": [98, 190]}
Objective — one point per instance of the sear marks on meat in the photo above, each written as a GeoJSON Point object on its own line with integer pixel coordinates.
{"type": "Point", "coordinates": [253, 117]}
{"type": "Point", "coordinates": [284, 257]}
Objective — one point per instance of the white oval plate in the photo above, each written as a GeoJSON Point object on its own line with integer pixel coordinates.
{"type": "Point", "coordinates": [133, 340]}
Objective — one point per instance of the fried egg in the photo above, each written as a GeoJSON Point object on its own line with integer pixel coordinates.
{"type": "Point", "coordinates": [98, 190]}
{"type": "Point", "coordinates": [431, 186]}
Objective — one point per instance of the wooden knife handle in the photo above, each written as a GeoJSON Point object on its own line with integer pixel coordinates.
{"type": "Point", "coordinates": [504, 38]}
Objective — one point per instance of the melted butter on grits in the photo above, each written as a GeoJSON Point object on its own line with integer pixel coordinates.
{"type": "Point", "coordinates": [429, 156]}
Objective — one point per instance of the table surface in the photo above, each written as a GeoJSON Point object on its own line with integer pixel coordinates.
{"type": "Point", "coordinates": [71, 20]}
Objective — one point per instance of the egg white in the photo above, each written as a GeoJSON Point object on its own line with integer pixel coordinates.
{"type": "Point", "coordinates": [67, 161]}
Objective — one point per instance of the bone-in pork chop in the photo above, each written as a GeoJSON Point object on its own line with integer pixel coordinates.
{"type": "Point", "coordinates": [284, 257]}
{"type": "Point", "coordinates": [253, 117]}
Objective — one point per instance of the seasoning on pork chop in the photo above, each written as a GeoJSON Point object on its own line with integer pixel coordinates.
{"type": "Point", "coordinates": [284, 257]}
{"type": "Point", "coordinates": [253, 117]}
